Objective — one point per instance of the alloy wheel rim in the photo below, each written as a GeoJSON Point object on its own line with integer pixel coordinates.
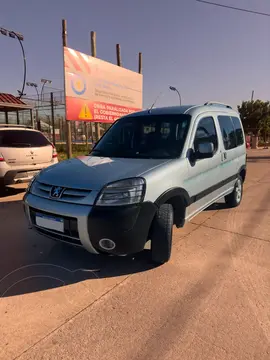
{"type": "Point", "coordinates": [238, 190]}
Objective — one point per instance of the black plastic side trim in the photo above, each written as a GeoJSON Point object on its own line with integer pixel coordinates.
{"type": "Point", "coordinates": [243, 168]}
{"type": "Point", "coordinates": [190, 200]}
{"type": "Point", "coordinates": [213, 188]}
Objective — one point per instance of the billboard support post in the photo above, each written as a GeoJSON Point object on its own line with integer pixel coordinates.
{"type": "Point", "coordinates": [52, 114]}
{"type": "Point", "coordinates": [68, 124]}
{"type": "Point", "coordinates": [140, 63]}
{"type": "Point", "coordinates": [94, 54]}
{"type": "Point", "coordinates": [118, 55]}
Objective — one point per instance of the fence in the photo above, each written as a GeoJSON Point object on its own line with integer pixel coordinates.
{"type": "Point", "coordinates": [49, 117]}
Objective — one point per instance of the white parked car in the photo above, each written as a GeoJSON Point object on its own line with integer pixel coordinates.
{"type": "Point", "coordinates": [23, 153]}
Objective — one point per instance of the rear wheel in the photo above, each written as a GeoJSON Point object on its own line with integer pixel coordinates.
{"type": "Point", "coordinates": [234, 199]}
{"type": "Point", "coordinates": [161, 234]}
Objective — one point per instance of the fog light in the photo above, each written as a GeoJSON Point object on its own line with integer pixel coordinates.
{"type": "Point", "coordinates": [107, 244]}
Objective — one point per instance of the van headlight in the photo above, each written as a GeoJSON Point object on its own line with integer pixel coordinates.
{"type": "Point", "coordinates": [122, 192]}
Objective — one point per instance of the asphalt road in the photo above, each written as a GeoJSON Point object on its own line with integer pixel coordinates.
{"type": "Point", "coordinates": [211, 301]}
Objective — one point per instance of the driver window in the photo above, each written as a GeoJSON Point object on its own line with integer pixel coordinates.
{"type": "Point", "coordinates": [206, 132]}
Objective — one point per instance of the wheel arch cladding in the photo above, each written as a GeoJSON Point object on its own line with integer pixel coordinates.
{"type": "Point", "coordinates": [179, 199]}
{"type": "Point", "coordinates": [242, 172]}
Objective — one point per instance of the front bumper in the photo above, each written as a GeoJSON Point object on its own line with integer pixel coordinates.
{"type": "Point", "coordinates": [127, 226]}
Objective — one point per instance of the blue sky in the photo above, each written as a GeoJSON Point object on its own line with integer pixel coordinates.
{"type": "Point", "coordinates": [208, 53]}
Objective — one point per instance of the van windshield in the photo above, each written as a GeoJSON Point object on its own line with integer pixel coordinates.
{"type": "Point", "coordinates": [149, 137]}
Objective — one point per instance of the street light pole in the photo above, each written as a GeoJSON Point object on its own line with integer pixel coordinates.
{"type": "Point", "coordinates": [34, 85]}
{"type": "Point", "coordinates": [20, 38]}
{"type": "Point", "coordinates": [44, 81]}
{"type": "Point", "coordinates": [174, 89]}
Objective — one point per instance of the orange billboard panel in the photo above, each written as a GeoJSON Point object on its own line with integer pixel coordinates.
{"type": "Point", "coordinates": [99, 91]}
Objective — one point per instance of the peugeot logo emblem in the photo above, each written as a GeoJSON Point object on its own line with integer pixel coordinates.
{"type": "Point", "coordinates": [57, 191]}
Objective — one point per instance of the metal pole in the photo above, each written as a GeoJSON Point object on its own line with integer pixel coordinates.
{"type": "Point", "coordinates": [24, 64]}
{"type": "Point", "coordinates": [37, 121]}
{"type": "Point", "coordinates": [252, 95]}
{"type": "Point", "coordinates": [6, 117]}
{"type": "Point", "coordinates": [18, 118]}
{"type": "Point", "coordinates": [118, 55]}
{"type": "Point", "coordinates": [180, 100]}
{"type": "Point", "coordinates": [94, 54]}
{"type": "Point", "coordinates": [68, 124]}
{"type": "Point", "coordinates": [52, 114]}
{"type": "Point", "coordinates": [86, 133]}
{"type": "Point", "coordinates": [37, 95]}
{"type": "Point", "coordinates": [32, 119]}
{"type": "Point", "coordinates": [140, 63]}
{"type": "Point", "coordinates": [41, 92]}
{"type": "Point", "coordinates": [179, 95]}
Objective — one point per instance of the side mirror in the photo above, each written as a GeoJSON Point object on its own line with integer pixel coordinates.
{"type": "Point", "coordinates": [205, 150]}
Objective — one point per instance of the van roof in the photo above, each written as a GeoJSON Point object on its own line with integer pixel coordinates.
{"type": "Point", "coordinates": [192, 110]}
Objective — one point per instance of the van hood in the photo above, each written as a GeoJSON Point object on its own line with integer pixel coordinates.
{"type": "Point", "coordinates": [92, 172]}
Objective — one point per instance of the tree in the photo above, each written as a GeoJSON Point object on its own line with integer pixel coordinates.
{"type": "Point", "coordinates": [254, 115]}
{"type": "Point", "coordinates": [264, 126]}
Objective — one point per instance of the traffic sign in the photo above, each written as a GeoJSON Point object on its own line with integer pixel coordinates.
{"type": "Point", "coordinates": [85, 113]}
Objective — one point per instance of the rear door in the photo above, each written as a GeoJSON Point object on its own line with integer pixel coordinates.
{"type": "Point", "coordinates": [25, 147]}
{"type": "Point", "coordinates": [229, 157]}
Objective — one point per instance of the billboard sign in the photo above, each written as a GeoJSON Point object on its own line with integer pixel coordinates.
{"type": "Point", "coordinates": [99, 91]}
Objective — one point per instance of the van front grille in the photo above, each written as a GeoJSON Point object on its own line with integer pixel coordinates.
{"type": "Point", "coordinates": [68, 195]}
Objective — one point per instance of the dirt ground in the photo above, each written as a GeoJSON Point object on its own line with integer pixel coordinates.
{"type": "Point", "coordinates": [211, 301]}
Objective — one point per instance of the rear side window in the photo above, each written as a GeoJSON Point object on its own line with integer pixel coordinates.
{"type": "Point", "coordinates": [22, 139]}
{"type": "Point", "coordinates": [228, 133]}
{"type": "Point", "coordinates": [238, 130]}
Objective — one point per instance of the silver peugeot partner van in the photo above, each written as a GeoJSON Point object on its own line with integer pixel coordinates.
{"type": "Point", "coordinates": [151, 170]}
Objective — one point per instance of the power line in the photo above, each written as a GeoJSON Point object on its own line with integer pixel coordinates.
{"type": "Point", "coordinates": [234, 8]}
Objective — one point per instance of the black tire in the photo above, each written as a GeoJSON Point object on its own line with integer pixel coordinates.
{"type": "Point", "coordinates": [161, 234]}
{"type": "Point", "coordinates": [234, 199]}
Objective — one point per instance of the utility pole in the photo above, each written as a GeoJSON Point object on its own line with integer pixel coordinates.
{"type": "Point", "coordinates": [68, 124]}
{"type": "Point", "coordinates": [94, 54]}
{"type": "Point", "coordinates": [252, 95]}
{"type": "Point", "coordinates": [118, 55]}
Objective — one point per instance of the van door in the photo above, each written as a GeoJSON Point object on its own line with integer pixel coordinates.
{"type": "Point", "coordinates": [204, 174]}
{"type": "Point", "coordinates": [229, 157]}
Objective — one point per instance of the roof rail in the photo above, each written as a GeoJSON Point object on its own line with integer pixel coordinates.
{"type": "Point", "coordinates": [218, 104]}
{"type": "Point", "coordinates": [15, 125]}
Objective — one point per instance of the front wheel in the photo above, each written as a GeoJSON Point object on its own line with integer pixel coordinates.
{"type": "Point", "coordinates": [234, 199]}
{"type": "Point", "coordinates": [161, 234]}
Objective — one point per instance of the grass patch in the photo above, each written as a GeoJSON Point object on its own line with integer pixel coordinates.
{"type": "Point", "coordinates": [77, 150]}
